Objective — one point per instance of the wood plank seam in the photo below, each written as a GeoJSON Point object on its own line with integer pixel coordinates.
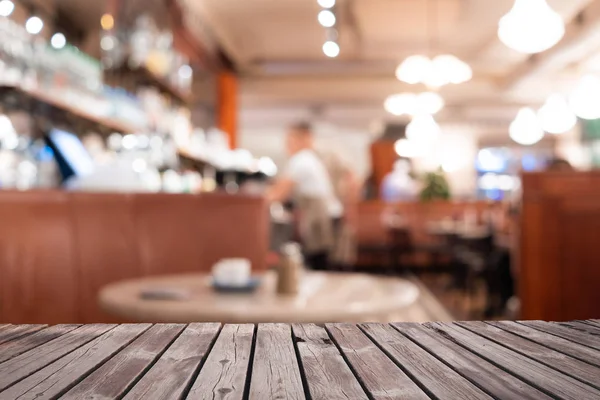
{"type": "Point", "coordinates": [246, 392]}
{"type": "Point", "coordinates": [33, 338]}
{"type": "Point", "coordinates": [91, 371]}
{"type": "Point", "coordinates": [195, 374]}
{"type": "Point", "coordinates": [90, 350]}
{"type": "Point", "coordinates": [456, 329]}
{"type": "Point", "coordinates": [549, 329]}
{"type": "Point", "coordinates": [40, 367]}
{"type": "Point", "coordinates": [77, 391]}
{"type": "Point", "coordinates": [574, 350]}
{"type": "Point", "coordinates": [406, 371]}
{"type": "Point", "coordinates": [470, 379]}
{"type": "Point", "coordinates": [149, 367]}
{"type": "Point", "coordinates": [575, 366]}
{"type": "Point", "coordinates": [295, 341]}
{"type": "Point", "coordinates": [352, 369]}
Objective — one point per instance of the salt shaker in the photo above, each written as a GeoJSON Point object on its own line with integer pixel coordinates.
{"type": "Point", "coordinates": [288, 273]}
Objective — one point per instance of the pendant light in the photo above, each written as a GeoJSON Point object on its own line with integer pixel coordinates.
{"type": "Point", "coordinates": [531, 26]}
{"type": "Point", "coordinates": [555, 116]}
{"type": "Point", "coordinates": [585, 98]}
{"type": "Point", "coordinates": [412, 104]}
{"type": "Point", "coordinates": [6, 8]}
{"type": "Point", "coordinates": [433, 72]}
{"type": "Point", "coordinates": [422, 129]}
{"type": "Point", "coordinates": [410, 149]}
{"type": "Point", "coordinates": [526, 129]}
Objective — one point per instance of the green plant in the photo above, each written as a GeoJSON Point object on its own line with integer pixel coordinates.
{"type": "Point", "coordinates": [435, 187]}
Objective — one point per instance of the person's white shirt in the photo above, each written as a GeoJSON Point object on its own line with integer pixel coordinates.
{"type": "Point", "coordinates": [311, 179]}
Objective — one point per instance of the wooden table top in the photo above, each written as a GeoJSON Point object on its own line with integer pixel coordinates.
{"type": "Point", "coordinates": [323, 297]}
{"type": "Point", "coordinates": [465, 360]}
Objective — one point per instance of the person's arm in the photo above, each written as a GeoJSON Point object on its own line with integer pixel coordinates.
{"type": "Point", "coordinates": [281, 190]}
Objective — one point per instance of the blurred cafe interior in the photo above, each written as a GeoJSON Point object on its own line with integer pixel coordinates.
{"type": "Point", "coordinates": [299, 160]}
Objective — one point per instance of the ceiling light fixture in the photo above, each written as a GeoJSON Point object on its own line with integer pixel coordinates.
{"type": "Point", "coordinates": [555, 115]}
{"type": "Point", "coordinates": [34, 25]}
{"type": "Point", "coordinates": [326, 3]}
{"type": "Point", "coordinates": [434, 72]}
{"type": "Point", "coordinates": [326, 18]}
{"type": "Point", "coordinates": [439, 71]}
{"type": "Point", "coordinates": [585, 98]}
{"type": "Point", "coordinates": [423, 129]}
{"type": "Point", "coordinates": [531, 26]}
{"type": "Point", "coordinates": [331, 49]}
{"type": "Point", "coordinates": [410, 149]}
{"type": "Point", "coordinates": [6, 8]}
{"type": "Point", "coordinates": [413, 104]}
{"type": "Point", "coordinates": [525, 128]}
{"type": "Point", "coordinates": [58, 41]}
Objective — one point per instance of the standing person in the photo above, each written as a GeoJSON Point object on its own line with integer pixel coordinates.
{"type": "Point", "coordinates": [315, 181]}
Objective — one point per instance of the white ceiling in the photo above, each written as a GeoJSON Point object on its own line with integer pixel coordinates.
{"type": "Point", "coordinates": [276, 45]}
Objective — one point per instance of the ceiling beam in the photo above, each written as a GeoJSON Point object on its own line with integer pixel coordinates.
{"type": "Point", "coordinates": [583, 26]}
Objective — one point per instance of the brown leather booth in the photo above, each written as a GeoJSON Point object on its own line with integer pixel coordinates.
{"type": "Point", "coordinates": [57, 249]}
{"type": "Point", "coordinates": [559, 251]}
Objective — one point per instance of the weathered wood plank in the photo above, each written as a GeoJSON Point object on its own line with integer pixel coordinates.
{"type": "Point", "coordinates": [378, 374]}
{"type": "Point", "coordinates": [13, 332]}
{"type": "Point", "coordinates": [562, 345]}
{"type": "Point", "coordinates": [327, 374]}
{"type": "Point", "coordinates": [567, 333]}
{"type": "Point", "coordinates": [542, 377]}
{"type": "Point", "coordinates": [275, 370]}
{"type": "Point", "coordinates": [561, 362]}
{"type": "Point", "coordinates": [58, 377]}
{"type": "Point", "coordinates": [594, 322]}
{"type": "Point", "coordinates": [113, 379]}
{"type": "Point", "coordinates": [583, 327]}
{"type": "Point", "coordinates": [35, 359]}
{"type": "Point", "coordinates": [172, 374]}
{"type": "Point", "coordinates": [482, 373]}
{"type": "Point", "coordinates": [436, 378]}
{"type": "Point", "coordinates": [21, 345]}
{"type": "Point", "coordinates": [223, 375]}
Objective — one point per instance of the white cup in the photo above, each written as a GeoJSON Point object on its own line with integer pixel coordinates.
{"type": "Point", "coordinates": [232, 272]}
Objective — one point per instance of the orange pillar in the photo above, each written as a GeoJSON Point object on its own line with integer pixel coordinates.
{"type": "Point", "coordinates": [227, 108]}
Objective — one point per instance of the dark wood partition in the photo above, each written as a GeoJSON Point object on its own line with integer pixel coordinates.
{"type": "Point", "coordinates": [559, 252]}
{"type": "Point", "coordinates": [58, 249]}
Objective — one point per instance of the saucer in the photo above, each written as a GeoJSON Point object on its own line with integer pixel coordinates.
{"type": "Point", "coordinates": [250, 286]}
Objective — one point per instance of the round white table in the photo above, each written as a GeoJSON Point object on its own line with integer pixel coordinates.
{"type": "Point", "coordinates": [322, 297]}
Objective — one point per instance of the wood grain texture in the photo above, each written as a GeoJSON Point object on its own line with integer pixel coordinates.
{"type": "Point", "coordinates": [223, 375]}
{"type": "Point", "coordinates": [17, 331]}
{"type": "Point", "coordinates": [542, 377]}
{"type": "Point", "coordinates": [482, 373]}
{"type": "Point", "coordinates": [172, 374]}
{"type": "Point", "coordinates": [275, 370]}
{"type": "Point", "coordinates": [58, 377]}
{"type": "Point", "coordinates": [561, 362]}
{"type": "Point", "coordinates": [439, 380]}
{"type": "Point", "coordinates": [583, 327]}
{"type": "Point", "coordinates": [28, 342]}
{"type": "Point", "coordinates": [326, 372]}
{"type": "Point", "coordinates": [117, 375]}
{"type": "Point", "coordinates": [557, 343]}
{"type": "Point", "coordinates": [378, 374]}
{"type": "Point", "coordinates": [567, 333]}
{"type": "Point", "coordinates": [35, 359]}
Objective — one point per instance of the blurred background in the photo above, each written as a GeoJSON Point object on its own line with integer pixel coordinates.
{"type": "Point", "coordinates": [148, 138]}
